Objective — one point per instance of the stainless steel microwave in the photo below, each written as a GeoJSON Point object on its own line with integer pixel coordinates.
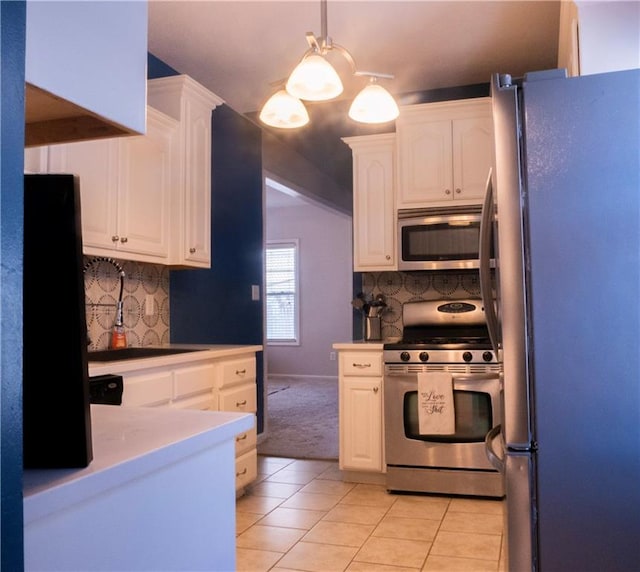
{"type": "Point", "coordinates": [439, 238]}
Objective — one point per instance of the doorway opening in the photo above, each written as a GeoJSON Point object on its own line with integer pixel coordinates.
{"type": "Point", "coordinates": [301, 371]}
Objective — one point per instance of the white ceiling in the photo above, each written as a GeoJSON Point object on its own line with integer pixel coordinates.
{"type": "Point", "coordinates": [237, 48]}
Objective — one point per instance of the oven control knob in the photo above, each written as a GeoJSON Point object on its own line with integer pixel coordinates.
{"type": "Point", "coordinates": [467, 356]}
{"type": "Point", "coordinates": [424, 356]}
{"type": "Point", "coordinates": [487, 356]}
{"type": "Point", "coordinates": [405, 356]}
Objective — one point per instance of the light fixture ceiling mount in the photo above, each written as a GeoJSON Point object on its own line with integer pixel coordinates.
{"type": "Point", "coordinates": [315, 79]}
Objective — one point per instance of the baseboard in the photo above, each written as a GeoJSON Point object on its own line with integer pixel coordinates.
{"type": "Point", "coordinates": [299, 376]}
{"type": "Point", "coordinates": [364, 477]}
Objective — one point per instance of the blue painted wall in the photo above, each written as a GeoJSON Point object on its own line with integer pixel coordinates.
{"type": "Point", "coordinates": [214, 306]}
{"type": "Point", "coordinates": [12, 50]}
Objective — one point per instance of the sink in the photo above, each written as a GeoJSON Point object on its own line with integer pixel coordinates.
{"type": "Point", "coordinates": [135, 353]}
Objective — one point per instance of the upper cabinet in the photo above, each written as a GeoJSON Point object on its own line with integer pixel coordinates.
{"type": "Point", "coordinates": [85, 70]}
{"type": "Point", "coordinates": [374, 245]}
{"type": "Point", "coordinates": [599, 36]}
{"type": "Point", "coordinates": [444, 152]}
{"type": "Point", "coordinates": [126, 185]}
{"type": "Point", "coordinates": [146, 197]}
{"type": "Point", "coordinates": [191, 104]}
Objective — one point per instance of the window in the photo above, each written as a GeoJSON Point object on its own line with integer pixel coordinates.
{"type": "Point", "coordinates": [282, 292]}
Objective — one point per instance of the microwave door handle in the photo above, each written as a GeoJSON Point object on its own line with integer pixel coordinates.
{"type": "Point", "coordinates": [486, 237]}
{"type": "Point", "coordinates": [494, 458]}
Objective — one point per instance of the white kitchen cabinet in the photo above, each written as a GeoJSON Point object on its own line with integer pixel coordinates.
{"type": "Point", "coordinates": [602, 36]}
{"type": "Point", "coordinates": [374, 230]}
{"type": "Point", "coordinates": [360, 411]}
{"type": "Point", "coordinates": [445, 151]}
{"type": "Point", "coordinates": [191, 104]}
{"type": "Point", "coordinates": [147, 389]}
{"type": "Point", "coordinates": [235, 385]}
{"type": "Point", "coordinates": [192, 387]}
{"type": "Point", "coordinates": [125, 187]}
{"type": "Point", "coordinates": [226, 383]}
{"type": "Point", "coordinates": [85, 70]}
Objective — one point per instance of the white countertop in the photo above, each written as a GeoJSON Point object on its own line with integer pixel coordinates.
{"type": "Point", "coordinates": [205, 351]}
{"type": "Point", "coordinates": [129, 442]}
{"type": "Point", "coordinates": [359, 345]}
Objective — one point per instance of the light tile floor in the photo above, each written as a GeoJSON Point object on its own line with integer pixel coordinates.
{"type": "Point", "coordinates": [300, 515]}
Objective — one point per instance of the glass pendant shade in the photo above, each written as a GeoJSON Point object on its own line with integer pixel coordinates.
{"type": "Point", "coordinates": [284, 111]}
{"type": "Point", "coordinates": [314, 79]}
{"type": "Point", "coordinates": [374, 104]}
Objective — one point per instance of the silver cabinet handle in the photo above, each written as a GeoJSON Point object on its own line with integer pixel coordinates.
{"type": "Point", "coordinates": [362, 365]}
{"type": "Point", "coordinates": [243, 472]}
{"type": "Point", "coordinates": [375, 389]}
{"type": "Point", "coordinates": [241, 371]}
{"type": "Point", "coordinates": [241, 403]}
{"type": "Point", "coordinates": [124, 239]}
{"type": "Point", "coordinates": [115, 238]}
{"type": "Point", "coordinates": [192, 250]}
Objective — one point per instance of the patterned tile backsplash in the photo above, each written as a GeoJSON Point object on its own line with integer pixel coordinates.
{"type": "Point", "coordinates": [401, 287]}
{"type": "Point", "coordinates": [143, 283]}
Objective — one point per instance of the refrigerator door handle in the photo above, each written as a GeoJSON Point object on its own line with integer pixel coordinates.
{"type": "Point", "coordinates": [493, 457]}
{"type": "Point", "coordinates": [486, 288]}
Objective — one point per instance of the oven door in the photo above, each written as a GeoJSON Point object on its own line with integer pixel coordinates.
{"type": "Point", "coordinates": [477, 411]}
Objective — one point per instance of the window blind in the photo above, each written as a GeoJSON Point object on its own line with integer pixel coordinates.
{"type": "Point", "coordinates": [282, 293]}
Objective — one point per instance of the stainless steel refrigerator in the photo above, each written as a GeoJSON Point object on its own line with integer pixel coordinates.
{"type": "Point", "coordinates": [565, 219]}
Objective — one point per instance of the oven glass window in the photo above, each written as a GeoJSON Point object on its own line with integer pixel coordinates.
{"type": "Point", "coordinates": [473, 418]}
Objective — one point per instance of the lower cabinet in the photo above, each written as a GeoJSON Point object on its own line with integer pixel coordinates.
{"type": "Point", "coordinates": [224, 384]}
{"type": "Point", "coordinates": [361, 411]}
{"type": "Point", "coordinates": [235, 386]}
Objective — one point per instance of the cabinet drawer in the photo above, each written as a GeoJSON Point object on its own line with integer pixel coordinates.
{"type": "Point", "coordinates": [246, 469]}
{"type": "Point", "coordinates": [193, 380]}
{"type": "Point", "coordinates": [246, 441]}
{"type": "Point", "coordinates": [150, 389]}
{"type": "Point", "coordinates": [239, 399]}
{"type": "Point", "coordinates": [236, 371]}
{"type": "Point", "coordinates": [205, 402]}
{"type": "Point", "coordinates": [361, 363]}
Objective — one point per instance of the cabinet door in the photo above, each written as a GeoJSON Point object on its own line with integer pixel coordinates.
{"type": "Point", "coordinates": [193, 380]}
{"type": "Point", "coordinates": [424, 162]}
{"type": "Point", "coordinates": [147, 389]}
{"type": "Point", "coordinates": [96, 164]}
{"type": "Point", "coordinates": [36, 159]}
{"type": "Point", "coordinates": [246, 469]}
{"type": "Point", "coordinates": [241, 399]}
{"type": "Point", "coordinates": [234, 371]}
{"type": "Point", "coordinates": [472, 156]}
{"type": "Point", "coordinates": [361, 443]}
{"type": "Point", "coordinates": [374, 228]}
{"type": "Point", "coordinates": [146, 180]}
{"type": "Point", "coordinates": [197, 223]}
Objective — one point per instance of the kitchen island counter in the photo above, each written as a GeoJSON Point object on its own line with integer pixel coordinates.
{"type": "Point", "coordinates": [159, 490]}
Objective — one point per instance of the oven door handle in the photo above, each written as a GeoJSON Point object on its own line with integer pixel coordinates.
{"type": "Point", "coordinates": [493, 457]}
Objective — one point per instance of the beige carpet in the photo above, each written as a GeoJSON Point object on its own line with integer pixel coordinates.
{"type": "Point", "coordinates": [302, 418]}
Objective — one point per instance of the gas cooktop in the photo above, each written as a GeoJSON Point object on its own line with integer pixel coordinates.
{"type": "Point", "coordinates": [450, 331]}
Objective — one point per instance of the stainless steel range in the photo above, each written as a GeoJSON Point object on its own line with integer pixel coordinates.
{"type": "Point", "coordinates": [448, 336]}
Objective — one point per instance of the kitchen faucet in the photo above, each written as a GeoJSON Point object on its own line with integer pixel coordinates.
{"type": "Point", "coordinates": [118, 337]}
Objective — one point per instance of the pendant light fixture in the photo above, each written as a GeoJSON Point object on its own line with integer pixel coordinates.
{"type": "Point", "coordinates": [374, 104]}
{"type": "Point", "coordinates": [284, 111]}
{"type": "Point", "coordinates": [315, 79]}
